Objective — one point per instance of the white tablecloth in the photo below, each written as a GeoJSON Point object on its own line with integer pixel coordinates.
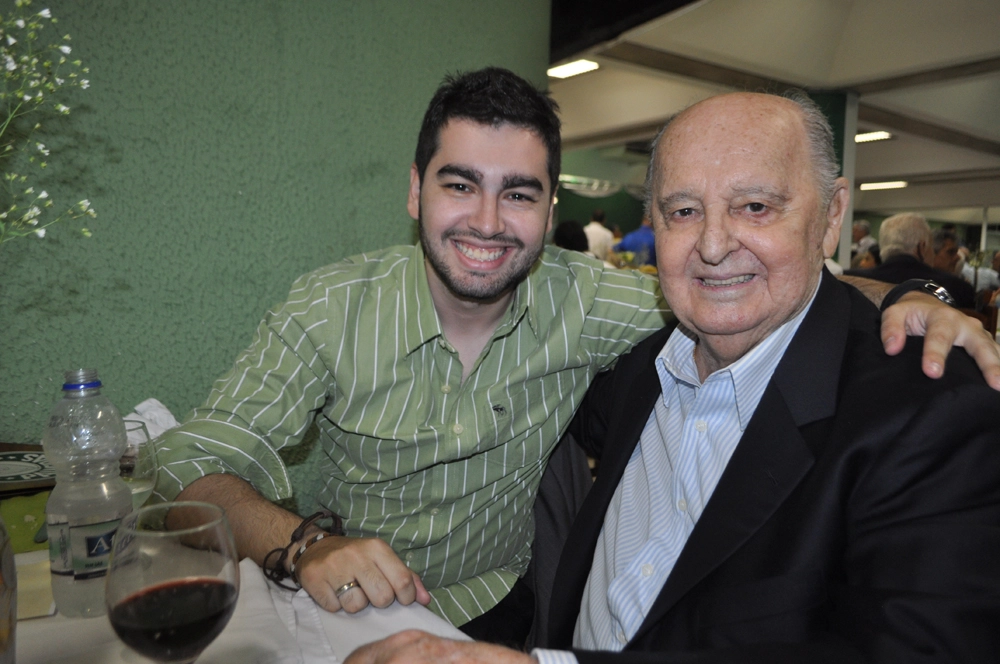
{"type": "Point", "coordinates": [269, 626]}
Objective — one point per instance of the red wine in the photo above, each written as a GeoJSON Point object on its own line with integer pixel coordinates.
{"type": "Point", "coordinates": [174, 621]}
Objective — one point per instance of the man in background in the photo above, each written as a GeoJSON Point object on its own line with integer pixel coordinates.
{"type": "Point", "coordinates": [641, 243]}
{"type": "Point", "coordinates": [944, 244]}
{"type": "Point", "coordinates": [907, 250]}
{"type": "Point", "coordinates": [861, 238]}
{"type": "Point", "coordinates": [599, 237]}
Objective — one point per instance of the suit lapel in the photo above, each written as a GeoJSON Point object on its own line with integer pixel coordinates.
{"type": "Point", "coordinates": [772, 456]}
{"type": "Point", "coordinates": [635, 391]}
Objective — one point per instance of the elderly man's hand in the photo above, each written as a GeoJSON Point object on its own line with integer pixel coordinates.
{"type": "Point", "coordinates": [414, 647]}
{"type": "Point", "coordinates": [381, 577]}
{"type": "Point", "coordinates": [942, 327]}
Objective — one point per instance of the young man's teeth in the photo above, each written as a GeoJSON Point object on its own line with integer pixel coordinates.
{"type": "Point", "coordinates": [482, 255]}
{"type": "Point", "coordinates": [728, 282]}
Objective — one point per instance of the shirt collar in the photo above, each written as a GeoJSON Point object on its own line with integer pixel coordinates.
{"type": "Point", "coordinates": [750, 374]}
{"type": "Point", "coordinates": [422, 323]}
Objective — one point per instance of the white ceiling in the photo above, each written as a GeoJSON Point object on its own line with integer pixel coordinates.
{"type": "Point", "coordinates": [945, 112]}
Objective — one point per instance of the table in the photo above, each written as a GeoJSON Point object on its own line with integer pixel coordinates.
{"type": "Point", "coordinates": [269, 626]}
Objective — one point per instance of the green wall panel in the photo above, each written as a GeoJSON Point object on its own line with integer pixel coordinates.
{"type": "Point", "coordinates": [228, 146]}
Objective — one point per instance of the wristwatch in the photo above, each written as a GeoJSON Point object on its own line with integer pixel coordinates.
{"type": "Point", "coordinates": [931, 288]}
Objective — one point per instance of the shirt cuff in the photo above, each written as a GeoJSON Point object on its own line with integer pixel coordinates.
{"type": "Point", "coordinates": [544, 656]}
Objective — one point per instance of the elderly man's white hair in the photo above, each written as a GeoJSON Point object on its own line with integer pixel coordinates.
{"type": "Point", "coordinates": [901, 233]}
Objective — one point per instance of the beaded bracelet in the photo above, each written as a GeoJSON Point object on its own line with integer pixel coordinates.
{"type": "Point", "coordinates": [302, 549]}
{"type": "Point", "coordinates": [277, 571]}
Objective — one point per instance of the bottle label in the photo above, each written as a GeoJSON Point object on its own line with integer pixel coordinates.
{"type": "Point", "coordinates": [81, 551]}
{"type": "Point", "coordinates": [91, 546]}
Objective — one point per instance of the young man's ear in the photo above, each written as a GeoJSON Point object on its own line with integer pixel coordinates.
{"type": "Point", "coordinates": [413, 198]}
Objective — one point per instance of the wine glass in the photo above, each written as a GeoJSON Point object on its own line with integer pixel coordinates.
{"type": "Point", "coordinates": [138, 464]}
{"type": "Point", "coordinates": [173, 579]}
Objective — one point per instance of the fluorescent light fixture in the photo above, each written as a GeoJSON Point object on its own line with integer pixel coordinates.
{"type": "Point", "coordinates": [870, 136]}
{"type": "Point", "coordinates": [874, 186]}
{"type": "Point", "coordinates": [572, 68]}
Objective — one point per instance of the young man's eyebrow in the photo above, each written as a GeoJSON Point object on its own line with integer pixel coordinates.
{"type": "Point", "coordinates": [469, 174]}
{"type": "Point", "coordinates": [517, 181]}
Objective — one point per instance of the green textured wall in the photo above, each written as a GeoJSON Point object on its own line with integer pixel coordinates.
{"type": "Point", "coordinates": [228, 146]}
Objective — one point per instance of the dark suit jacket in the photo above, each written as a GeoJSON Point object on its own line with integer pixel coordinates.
{"type": "Point", "coordinates": [897, 269]}
{"type": "Point", "coordinates": [858, 519]}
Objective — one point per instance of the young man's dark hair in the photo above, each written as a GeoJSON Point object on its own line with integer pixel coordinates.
{"type": "Point", "coordinates": [491, 96]}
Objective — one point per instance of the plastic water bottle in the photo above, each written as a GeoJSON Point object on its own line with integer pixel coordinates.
{"type": "Point", "coordinates": [83, 441]}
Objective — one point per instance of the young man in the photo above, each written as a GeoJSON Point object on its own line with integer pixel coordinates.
{"type": "Point", "coordinates": [440, 376]}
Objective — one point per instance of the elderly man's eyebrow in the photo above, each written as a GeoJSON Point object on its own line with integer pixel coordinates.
{"type": "Point", "coordinates": [774, 196]}
{"type": "Point", "coordinates": [518, 181]}
{"type": "Point", "coordinates": [470, 174]}
{"type": "Point", "coordinates": [666, 202]}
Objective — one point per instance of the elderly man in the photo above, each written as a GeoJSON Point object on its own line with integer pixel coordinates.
{"type": "Point", "coordinates": [908, 252]}
{"type": "Point", "coordinates": [772, 487]}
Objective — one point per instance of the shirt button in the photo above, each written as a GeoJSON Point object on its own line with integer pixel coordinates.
{"type": "Point", "coordinates": [434, 511]}
{"type": "Point", "coordinates": [446, 388]}
{"type": "Point", "coordinates": [621, 637]}
{"type": "Point", "coordinates": [701, 426]}
{"type": "Point", "coordinates": [682, 505]}
{"type": "Point", "coordinates": [409, 556]}
{"type": "Point", "coordinates": [457, 429]}
{"type": "Point", "coordinates": [647, 570]}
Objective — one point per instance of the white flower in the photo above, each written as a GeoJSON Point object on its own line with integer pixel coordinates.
{"type": "Point", "coordinates": [62, 108]}
{"type": "Point", "coordinates": [60, 81]}
{"type": "Point", "coordinates": [32, 212]}
{"type": "Point", "coordinates": [26, 97]}
{"type": "Point", "coordinates": [66, 49]}
{"type": "Point", "coordinates": [19, 22]}
{"type": "Point", "coordinates": [41, 148]}
{"type": "Point", "coordinates": [11, 41]}
{"type": "Point", "coordinates": [40, 232]}
{"type": "Point", "coordinates": [45, 13]}
{"type": "Point", "coordinates": [29, 190]}
{"type": "Point", "coordinates": [43, 195]}
{"type": "Point", "coordinates": [84, 83]}
{"type": "Point", "coordinates": [84, 204]}
{"type": "Point", "coordinates": [9, 63]}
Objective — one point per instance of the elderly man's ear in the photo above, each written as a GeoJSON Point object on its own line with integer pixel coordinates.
{"type": "Point", "coordinates": [835, 216]}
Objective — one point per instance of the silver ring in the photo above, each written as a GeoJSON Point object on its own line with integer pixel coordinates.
{"type": "Point", "coordinates": [344, 588]}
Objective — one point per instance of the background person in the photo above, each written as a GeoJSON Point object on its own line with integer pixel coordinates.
{"type": "Point", "coordinates": [599, 237]}
{"type": "Point", "coordinates": [908, 253]}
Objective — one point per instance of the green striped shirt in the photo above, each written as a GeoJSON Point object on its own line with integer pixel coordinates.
{"type": "Point", "coordinates": [444, 471]}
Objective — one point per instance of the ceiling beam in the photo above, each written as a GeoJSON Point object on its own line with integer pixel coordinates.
{"type": "Point", "coordinates": [935, 132]}
{"type": "Point", "coordinates": [987, 66]}
{"type": "Point", "coordinates": [670, 63]}
{"type": "Point", "coordinates": [644, 131]}
{"type": "Point", "coordinates": [971, 175]}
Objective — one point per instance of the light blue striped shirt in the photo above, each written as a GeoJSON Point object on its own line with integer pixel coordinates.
{"type": "Point", "coordinates": [682, 452]}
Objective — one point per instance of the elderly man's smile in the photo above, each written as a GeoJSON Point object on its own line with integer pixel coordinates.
{"type": "Point", "coordinates": [730, 281]}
